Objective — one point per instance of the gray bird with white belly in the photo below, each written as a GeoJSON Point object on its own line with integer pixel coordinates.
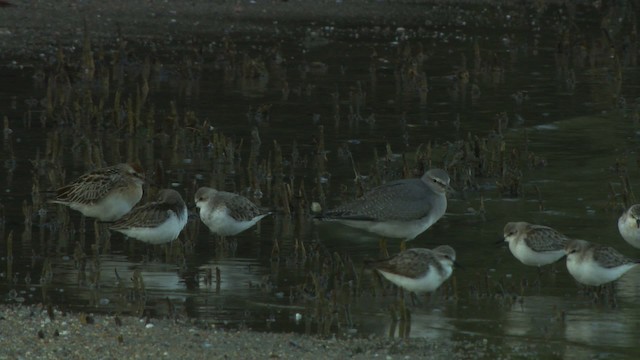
{"type": "Point", "coordinates": [400, 209]}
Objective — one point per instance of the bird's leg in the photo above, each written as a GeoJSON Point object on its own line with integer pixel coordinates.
{"type": "Point", "coordinates": [384, 253]}
{"type": "Point", "coordinates": [538, 281]}
{"type": "Point", "coordinates": [415, 300]}
{"type": "Point", "coordinates": [404, 328]}
{"type": "Point", "coordinates": [400, 299]}
{"type": "Point", "coordinates": [149, 253]}
{"type": "Point", "coordinates": [407, 323]}
{"type": "Point", "coordinates": [610, 289]}
{"type": "Point", "coordinates": [430, 297]}
{"type": "Point", "coordinates": [101, 232]}
{"type": "Point", "coordinates": [394, 321]}
{"type": "Point", "coordinates": [220, 243]}
{"type": "Point", "coordinates": [166, 251]}
{"type": "Point", "coordinates": [233, 247]}
{"type": "Point", "coordinates": [83, 229]}
{"type": "Point", "coordinates": [594, 292]}
{"type": "Point", "coordinates": [403, 245]}
{"type": "Point", "coordinates": [402, 306]}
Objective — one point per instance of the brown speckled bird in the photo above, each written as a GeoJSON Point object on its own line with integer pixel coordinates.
{"type": "Point", "coordinates": [106, 193]}
{"type": "Point", "coordinates": [418, 269]}
{"type": "Point", "coordinates": [534, 245]}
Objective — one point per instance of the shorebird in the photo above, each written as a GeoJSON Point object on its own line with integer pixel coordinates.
{"type": "Point", "coordinates": [225, 213]}
{"type": "Point", "coordinates": [106, 193]}
{"type": "Point", "coordinates": [418, 270]}
{"type": "Point", "coordinates": [534, 245]}
{"type": "Point", "coordinates": [629, 225]}
{"type": "Point", "coordinates": [594, 264]}
{"type": "Point", "coordinates": [400, 209]}
{"type": "Point", "coordinates": [155, 222]}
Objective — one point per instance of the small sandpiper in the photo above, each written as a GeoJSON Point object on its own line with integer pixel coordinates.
{"type": "Point", "coordinates": [400, 209]}
{"type": "Point", "coordinates": [106, 193]}
{"type": "Point", "coordinates": [155, 222]}
{"type": "Point", "coordinates": [629, 225]}
{"type": "Point", "coordinates": [534, 245]}
{"type": "Point", "coordinates": [225, 213]}
{"type": "Point", "coordinates": [418, 269]}
{"type": "Point", "coordinates": [595, 265]}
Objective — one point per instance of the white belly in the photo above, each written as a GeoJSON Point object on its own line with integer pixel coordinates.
{"type": "Point", "coordinates": [406, 230]}
{"type": "Point", "coordinates": [589, 273]}
{"type": "Point", "coordinates": [219, 222]}
{"type": "Point", "coordinates": [429, 282]}
{"type": "Point", "coordinates": [166, 232]}
{"type": "Point", "coordinates": [629, 230]}
{"type": "Point", "coordinates": [111, 208]}
{"type": "Point", "coordinates": [534, 258]}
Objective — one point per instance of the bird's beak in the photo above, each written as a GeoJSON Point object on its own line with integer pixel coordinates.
{"type": "Point", "coordinates": [147, 180]}
{"type": "Point", "coordinates": [500, 242]}
{"type": "Point", "coordinates": [193, 213]}
{"type": "Point", "coordinates": [457, 265]}
{"type": "Point", "coordinates": [638, 223]}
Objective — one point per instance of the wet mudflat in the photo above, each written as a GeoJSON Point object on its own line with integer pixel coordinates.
{"type": "Point", "coordinates": [531, 109]}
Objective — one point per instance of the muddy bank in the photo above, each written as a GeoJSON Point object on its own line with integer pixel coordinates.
{"type": "Point", "coordinates": [30, 332]}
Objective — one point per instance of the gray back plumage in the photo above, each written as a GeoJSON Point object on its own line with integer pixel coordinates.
{"type": "Point", "coordinates": [414, 262]}
{"type": "Point", "coordinates": [543, 238]}
{"type": "Point", "coordinates": [407, 199]}
{"type": "Point", "coordinates": [152, 213]}
{"type": "Point", "coordinates": [238, 207]}
{"type": "Point", "coordinates": [609, 257]}
{"type": "Point", "coordinates": [400, 200]}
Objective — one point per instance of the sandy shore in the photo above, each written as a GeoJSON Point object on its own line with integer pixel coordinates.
{"type": "Point", "coordinates": [29, 332]}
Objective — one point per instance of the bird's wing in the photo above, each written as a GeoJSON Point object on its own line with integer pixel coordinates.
{"type": "Point", "coordinates": [542, 238]}
{"type": "Point", "coordinates": [147, 215]}
{"type": "Point", "coordinates": [240, 208]}
{"type": "Point", "coordinates": [90, 188]}
{"type": "Point", "coordinates": [609, 257]}
{"type": "Point", "coordinates": [411, 263]}
{"type": "Point", "coordinates": [396, 200]}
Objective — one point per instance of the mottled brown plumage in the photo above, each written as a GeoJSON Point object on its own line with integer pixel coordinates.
{"type": "Point", "coordinates": [106, 193]}
{"type": "Point", "coordinates": [156, 222]}
{"type": "Point", "coordinates": [418, 269]}
{"type": "Point", "coordinates": [537, 237]}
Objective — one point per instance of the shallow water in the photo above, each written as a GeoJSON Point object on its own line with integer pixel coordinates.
{"type": "Point", "coordinates": [580, 131]}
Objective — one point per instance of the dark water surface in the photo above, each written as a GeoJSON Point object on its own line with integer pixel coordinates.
{"type": "Point", "coordinates": [571, 141]}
